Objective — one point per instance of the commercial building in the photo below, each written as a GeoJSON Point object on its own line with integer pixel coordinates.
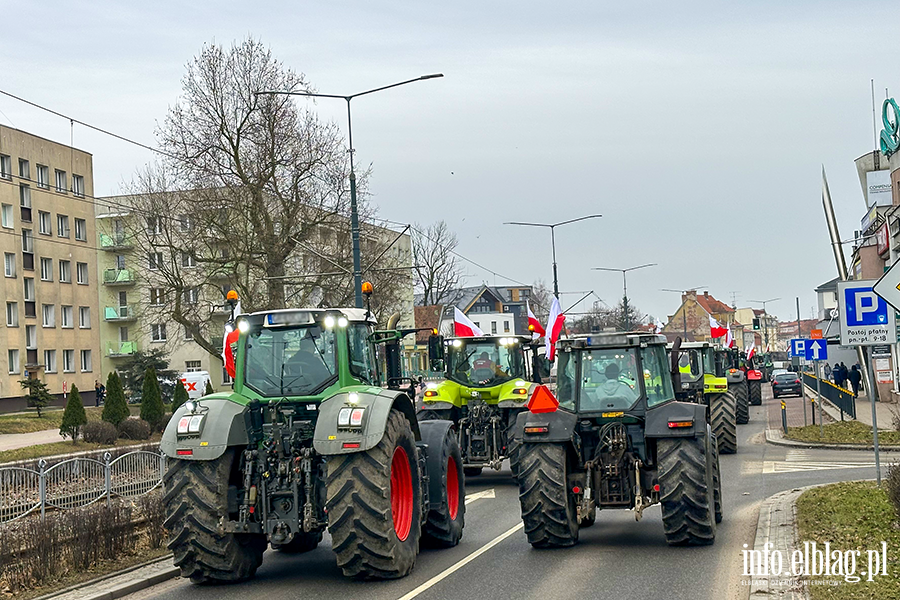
{"type": "Point", "coordinates": [50, 281]}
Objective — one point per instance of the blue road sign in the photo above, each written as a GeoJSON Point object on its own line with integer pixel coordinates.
{"type": "Point", "coordinates": [864, 307]}
{"type": "Point", "coordinates": [816, 350]}
{"type": "Point", "coordinates": [798, 347]}
{"type": "Point", "coordinates": [865, 318]}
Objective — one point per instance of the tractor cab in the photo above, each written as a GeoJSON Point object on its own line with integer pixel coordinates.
{"type": "Point", "coordinates": [702, 372]}
{"type": "Point", "coordinates": [482, 362]}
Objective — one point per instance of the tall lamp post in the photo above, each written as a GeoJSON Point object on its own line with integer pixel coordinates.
{"type": "Point", "coordinates": [624, 272]}
{"type": "Point", "coordinates": [766, 317]}
{"type": "Point", "coordinates": [552, 227]}
{"type": "Point", "coordinates": [354, 213]}
{"type": "Point", "coordinates": [683, 308]}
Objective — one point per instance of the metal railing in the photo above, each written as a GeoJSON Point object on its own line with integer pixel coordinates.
{"type": "Point", "coordinates": [77, 482]}
{"type": "Point", "coordinates": [118, 276]}
{"type": "Point", "coordinates": [120, 313]}
{"type": "Point", "coordinates": [843, 399]}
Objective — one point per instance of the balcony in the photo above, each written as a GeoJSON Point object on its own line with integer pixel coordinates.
{"type": "Point", "coordinates": [115, 242]}
{"type": "Point", "coordinates": [120, 349]}
{"type": "Point", "coordinates": [118, 277]}
{"type": "Point", "coordinates": [120, 314]}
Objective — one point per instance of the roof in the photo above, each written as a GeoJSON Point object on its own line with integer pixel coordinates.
{"type": "Point", "coordinates": [828, 286]}
{"type": "Point", "coordinates": [711, 305]}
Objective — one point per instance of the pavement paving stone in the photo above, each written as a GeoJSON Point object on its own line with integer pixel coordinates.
{"type": "Point", "coordinates": [118, 585]}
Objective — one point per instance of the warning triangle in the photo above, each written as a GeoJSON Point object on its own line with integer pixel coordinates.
{"type": "Point", "coordinates": [542, 400]}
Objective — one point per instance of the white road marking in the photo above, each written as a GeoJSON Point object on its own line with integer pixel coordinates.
{"type": "Point", "coordinates": [771, 466]}
{"type": "Point", "coordinates": [479, 495]}
{"type": "Point", "coordinates": [794, 455]}
{"type": "Point", "coordinates": [450, 570]}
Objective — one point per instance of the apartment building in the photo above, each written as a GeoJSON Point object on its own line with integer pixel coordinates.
{"type": "Point", "coordinates": [48, 241]}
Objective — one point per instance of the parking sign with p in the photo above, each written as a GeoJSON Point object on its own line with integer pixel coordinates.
{"type": "Point", "coordinates": [864, 317]}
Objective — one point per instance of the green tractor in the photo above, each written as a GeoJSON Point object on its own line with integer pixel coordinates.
{"type": "Point", "coordinates": [311, 437]}
{"type": "Point", "coordinates": [703, 380]}
{"type": "Point", "coordinates": [616, 437]}
{"type": "Point", "coordinates": [487, 383]}
{"type": "Point", "coordinates": [729, 359]}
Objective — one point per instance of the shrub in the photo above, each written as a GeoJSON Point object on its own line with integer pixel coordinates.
{"type": "Point", "coordinates": [152, 409]}
{"type": "Point", "coordinates": [892, 487]}
{"type": "Point", "coordinates": [134, 429]}
{"type": "Point", "coordinates": [209, 388]}
{"type": "Point", "coordinates": [100, 432]}
{"type": "Point", "coordinates": [74, 417]}
{"type": "Point", "coordinates": [37, 397]}
{"type": "Point", "coordinates": [115, 410]}
{"type": "Point", "coordinates": [180, 396]}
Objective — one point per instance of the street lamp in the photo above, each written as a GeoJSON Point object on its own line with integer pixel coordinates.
{"type": "Point", "coordinates": [766, 318]}
{"type": "Point", "coordinates": [354, 213]}
{"type": "Point", "coordinates": [553, 227]}
{"type": "Point", "coordinates": [683, 309]}
{"type": "Point", "coordinates": [623, 272]}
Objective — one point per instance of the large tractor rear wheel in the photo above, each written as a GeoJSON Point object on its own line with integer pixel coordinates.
{"type": "Point", "coordinates": [722, 419]}
{"type": "Point", "coordinates": [687, 490]}
{"type": "Point", "coordinates": [375, 505]}
{"type": "Point", "coordinates": [742, 403]}
{"type": "Point", "coordinates": [196, 499]}
{"type": "Point", "coordinates": [447, 492]}
{"type": "Point", "coordinates": [548, 509]}
{"type": "Point", "coordinates": [755, 393]}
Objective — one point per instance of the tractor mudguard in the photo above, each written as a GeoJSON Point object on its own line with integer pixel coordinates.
{"type": "Point", "coordinates": [560, 426]}
{"type": "Point", "coordinates": [657, 421]}
{"type": "Point", "coordinates": [735, 376]}
{"type": "Point", "coordinates": [223, 424]}
{"type": "Point", "coordinates": [331, 439]}
{"type": "Point", "coordinates": [433, 433]}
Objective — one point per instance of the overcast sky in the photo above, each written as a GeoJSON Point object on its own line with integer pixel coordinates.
{"type": "Point", "coordinates": [697, 129]}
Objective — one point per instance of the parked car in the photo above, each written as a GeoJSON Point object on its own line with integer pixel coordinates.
{"type": "Point", "coordinates": [785, 384]}
{"type": "Point", "coordinates": [777, 372]}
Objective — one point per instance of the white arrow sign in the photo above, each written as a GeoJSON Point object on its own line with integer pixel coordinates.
{"type": "Point", "coordinates": [815, 347]}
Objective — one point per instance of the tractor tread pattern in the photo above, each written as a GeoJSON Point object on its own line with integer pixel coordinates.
{"type": "Point", "coordinates": [440, 530]}
{"type": "Point", "coordinates": [547, 510]}
{"type": "Point", "coordinates": [687, 515]}
{"type": "Point", "coordinates": [755, 393]}
{"type": "Point", "coordinates": [724, 424]}
{"type": "Point", "coordinates": [742, 403]}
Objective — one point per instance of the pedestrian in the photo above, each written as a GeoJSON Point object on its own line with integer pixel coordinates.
{"type": "Point", "coordinates": [855, 377]}
{"type": "Point", "coordinates": [827, 371]}
{"type": "Point", "coordinates": [96, 393]}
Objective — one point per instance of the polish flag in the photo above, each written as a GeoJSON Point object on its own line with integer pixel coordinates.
{"type": "Point", "coordinates": [463, 327]}
{"type": "Point", "coordinates": [729, 339]}
{"type": "Point", "coordinates": [231, 337]}
{"type": "Point", "coordinates": [751, 351]}
{"type": "Point", "coordinates": [537, 330]}
{"type": "Point", "coordinates": [715, 330]}
{"type": "Point", "coordinates": [659, 326]}
{"type": "Point", "coordinates": [554, 328]}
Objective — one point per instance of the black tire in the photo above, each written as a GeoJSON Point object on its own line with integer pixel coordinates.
{"type": "Point", "coordinates": [724, 424]}
{"type": "Point", "coordinates": [548, 509]}
{"type": "Point", "coordinates": [686, 491]}
{"type": "Point", "coordinates": [755, 393]}
{"type": "Point", "coordinates": [513, 451]}
{"type": "Point", "coordinates": [473, 471]}
{"type": "Point", "coordinates": [302, 542]}
{"type": "Point", "coordinates": [717, 482]}
{"type": "Point", "coordinates": [360, 515]}
{"type": "Point", "coordinates": [447, 492]}
{"type": "Point", "coordinates": [742, 403]}
{"type": "Point", "coordinates": [196, 498]}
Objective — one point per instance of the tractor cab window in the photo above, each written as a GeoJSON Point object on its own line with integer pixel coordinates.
{"type": "Point", "coordinates": [657, 379]}
{"type": "Point", "coordinates": [484, 363]}
{"type": "Point", "coordinates": [295, 361]}
{"type": "Point", "coordinates": [609, 380]}
{"type": "Point", "coordinates": [565, 380]}
{"type": "Point", "coordinates": [709, 361]}
{"type": "Point", "coordinates": [362, 359]}
{"type": "Point", "coordinates": [689, 365]}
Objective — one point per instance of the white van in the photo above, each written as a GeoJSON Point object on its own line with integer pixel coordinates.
{"type": "Point", "coordinates": [195, 383]}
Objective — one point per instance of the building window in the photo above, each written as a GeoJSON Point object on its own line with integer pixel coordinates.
{"type": "Point", "coordinates": [44, 225]}
{"type": "Point", "coordinates": [62, 226]}
{"type": "Point", "coordinates": [80, 230]}
{"type": "Point", "coordinates": [25, 202]}
{"type": "Point", "coordinates": [84, 317]}
{"type": "Point", "coordinates": [5, 167]}
{"type": "Point", "coordinates": [66, 314]}
{"type": "Point", "coordinates": [81, 273]}
{"type": "Point", "coordinates": [505, 326]}
{"type": "Point", "coordinates": [188, 260]}
{"type": "Point", "coordinates": [68, 361]}
{"type": "Point", "coordinates": [9, 264]}
{"type": "Point", "coordinates": [157, 297]}
{"type": "Point", "coordinates": [158, 332]}
{"type": "Point", "coordinates": [78, 185]}
{"type": "Point", "coordinates": [191, 295]}
{"type": "Point", "coordinates": [27, 241]}
{"type": "Point", "coordinates": [188, 334]}
{"type": "Point", "coordinates": [31, 337]}
{"type": "Point", "coordinates": [46, 269]}
{"type": "Point", "coordinates": [187, 222]}
{"type": "Point", "coordinates": [12, 314]}
{"type": "Point", "coordinates": [49, 361]}
{"type": "Point", "coordinates": [85, 361]}
{"type": "Point", "coordinates": [65, 271]}
{"type": "Point", "coordinates": [154, 225]}
{"type": "Point", "coordinates": [24, 171]}
{"type": "Point", "coordinates": [61, 185]}
{"type": "Point", "coordinates": [493, 327]}
{"type": "Point", "coordinates": [29, 289]}
{"type": "Point", "coordinates": [43, 177]}
{"type": "Point", "coordinates": [192, 366]}
{"type": "Point", "coordinates": [156, 261]}
{"type": "Point", "coordinates": [13, 357]}
{"type": "Point", "coordinates": [226, 378]}
{"type": "Point", "coordinates": [48, 314]}
{"type": "Point", "coordinates": [7, 216]}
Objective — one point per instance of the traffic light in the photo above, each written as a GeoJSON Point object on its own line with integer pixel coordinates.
{"type": "Point", "coordinates": [755, 324]}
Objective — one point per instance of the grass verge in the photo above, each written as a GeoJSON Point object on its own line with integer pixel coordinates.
{"type": "Point", "coordinates": [64, 447]}
{"type": "Point", "coordinates": [851, 516]}
{"type": "Point", "coordinates": [842, 432]}
{"type": "Point", "coordinates": [51, 419]}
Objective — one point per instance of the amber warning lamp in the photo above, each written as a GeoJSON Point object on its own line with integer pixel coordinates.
{"type": "Point", "coordinates": [367, 288]}
{"type": "Point", "coordinates": [542, 400]}
{"type": "Point", "coordinates": [232, 296]}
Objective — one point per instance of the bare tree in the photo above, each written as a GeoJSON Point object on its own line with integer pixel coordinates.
{"type": "Point", "coordinates": [438, 273]}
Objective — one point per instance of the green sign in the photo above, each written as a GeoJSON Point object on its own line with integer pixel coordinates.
{"type": "Point", "coordinates": [890, 135]}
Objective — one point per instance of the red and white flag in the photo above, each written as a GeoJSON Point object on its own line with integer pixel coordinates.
{"type": "Point", "coordinates": [751, 351]}
{"type": "Point", "coordinates": [715, 330]}
{"type": "Point", "coordinates": [659, 326]}
{"type": "Point", "coordinates": [729, 339]}
{"type": "Point", "coordinates": [231, 337]}
{"type": "Point", "coordinates": [463, 327]}
{"type": "Point", "coordinates": [537, 330]}
{"type": "Point", "coordinates": [554, 328]}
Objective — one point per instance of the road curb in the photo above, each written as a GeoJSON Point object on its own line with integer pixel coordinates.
{"type": "Point", "coordinates": [777, 525]}
{"type": "Point", "coordinates": [776, 437]}
{"type": "Point", "coordinates": [119, 584]}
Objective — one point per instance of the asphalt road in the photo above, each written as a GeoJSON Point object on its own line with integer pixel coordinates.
{"type": "Point", "coordinates": [616, 558]}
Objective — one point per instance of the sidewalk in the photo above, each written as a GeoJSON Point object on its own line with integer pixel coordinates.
{"type": "Point", "coordinates": [883, 410]}
{"type": "Point", "coordinates": [12, 441]}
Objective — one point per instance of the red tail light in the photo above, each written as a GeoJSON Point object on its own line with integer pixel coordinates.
{"type": "Point", "coordinates": [796, 381]}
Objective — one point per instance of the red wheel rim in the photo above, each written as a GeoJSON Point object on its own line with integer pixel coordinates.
{"type": "Point", "coordinates": [452, 488]}
{"type": "Point", "coordinates": [401, 494]}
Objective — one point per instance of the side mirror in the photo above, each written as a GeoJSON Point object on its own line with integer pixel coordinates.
{"type": "Point", "coordinates": [436, 352]}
